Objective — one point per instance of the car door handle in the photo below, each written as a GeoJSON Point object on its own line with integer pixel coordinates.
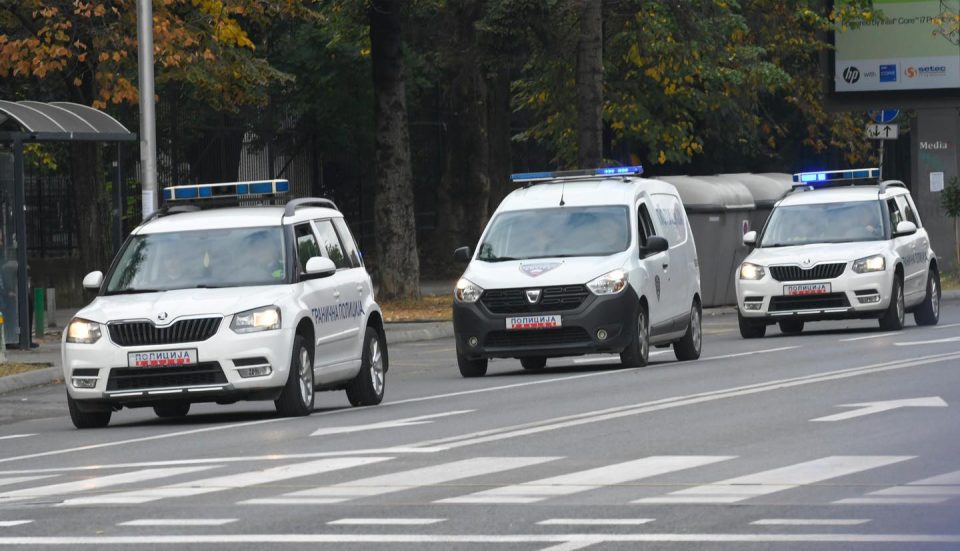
{"type": "Point", "coordinates": [665, 266]}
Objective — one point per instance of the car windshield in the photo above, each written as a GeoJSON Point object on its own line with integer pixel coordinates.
{"type": "Point", "coordinates": [556, 232]}
{"type": "Point", "coordinates": [233, 257]}
{"type": "Point", "coordinates": [824, 223]}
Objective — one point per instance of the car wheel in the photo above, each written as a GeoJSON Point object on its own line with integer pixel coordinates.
{"type": "Point", "coordinates": [791, 327]}
{"type": "Point", "coordinates": [87, 419]}
{"type": "Point", "coordinates": [892, 319]}
{"type": "Point", "coordinates": [637, 352]}
{"type": "Point", "coordinates": [471, 367]}
{"type": "Point", "coordinates": [535, 362]}
{"type": "Point", "coordinates": [688, 347]}
{"type": "Point", "coordinates": [751, 329]}
{"type": "Point", "coordinates": [929, 311]}
{"type": "Point", "coordinates": [296, 398]}
{"type": "Point", "coordinates": [366, 389]}
{"type": "Point", "coordinates": [172, 409]}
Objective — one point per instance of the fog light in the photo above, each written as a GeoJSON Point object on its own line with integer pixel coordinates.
{"type": "Point", "coordinates": [259, 371]}
{"type": "Point", "coordinates": [84, 382]}
{"type": "Point", "coordinates": [473, 341]}
{"type": "Point", "coordinates": [601, 334]}
{"type": "Point", "coordinates": [752, 305]}
{"type": "Point", "coordinates": [870, 299]}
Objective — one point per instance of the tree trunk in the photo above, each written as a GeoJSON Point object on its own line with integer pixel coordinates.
{"type": "Point", "coordinates": [398, 263]}
{"type": "Point", "coordinates": [590, 84]}
{"type": "Point", "coordinates": [94, 213]}
{"type": "Point", "coordinates": [499, 136]}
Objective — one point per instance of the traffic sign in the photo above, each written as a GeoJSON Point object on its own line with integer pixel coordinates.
{"type": "Point", "coordinates": [883, 131]}
{"type": "Point", "coordinates": [884, 116]}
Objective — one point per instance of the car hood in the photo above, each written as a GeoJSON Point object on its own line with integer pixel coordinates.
{"type": "Point", "coordinates": [181, 303]}
{"type": "Point", "coordinates": [816, 253]}
{"type": "Point", "coordinates": [542, 272]}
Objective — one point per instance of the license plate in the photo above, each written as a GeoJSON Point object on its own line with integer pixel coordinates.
{"type": "Point", "coordinates": [806, 289]}
{"type": "Point", "coordinates": [162, 358]}
{"type": "Point", "coordinates": [533, 322]}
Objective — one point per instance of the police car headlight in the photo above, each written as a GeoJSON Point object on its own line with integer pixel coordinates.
{"type": "Point", "coordinates": [609, 284]}
{"type": "Point", "coordinates": [258, 319]}
{"type": "Point", "coordinates": [751, 271]}
{"type": "Point", "coordinates": [83, 331]}
{"type": "Point", "coordinates": [466, 291]}
{"type": "Point", "coordinates": [875, 263]}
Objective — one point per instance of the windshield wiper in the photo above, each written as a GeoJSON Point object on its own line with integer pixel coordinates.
{"type": "Point", "coordinates": [499, 259]}
{"type": "Point", "coordinates": [134, 291]}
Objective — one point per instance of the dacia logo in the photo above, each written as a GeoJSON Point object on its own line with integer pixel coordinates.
{"type": "Point", "coordinates": [533, 295]}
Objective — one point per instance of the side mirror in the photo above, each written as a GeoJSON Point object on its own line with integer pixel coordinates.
{"type": "Point", "coordinates": [906, 228]}
{"type": "Point", "coordinates": [750, 238]}
{"type": "Point", "coordinates": [319, 266]}
{"type": "Point", "coordinates": [93, 280]}
{"type": "Point", "coordinates": [462, 254]}
{"type": "Point", "coordinates": [655, 244]}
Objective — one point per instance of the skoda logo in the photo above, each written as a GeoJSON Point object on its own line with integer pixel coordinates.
{"type": "Point", "coordinates": [806, 262]}
{"type": "Point", "coordinates": [851, 75]}
{"type": "Point", "coordinates": [162, 316]}
{"type": "Point", "coordinates": [533, 295]}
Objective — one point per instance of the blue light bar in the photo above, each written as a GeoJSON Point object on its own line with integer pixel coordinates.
{"type": "Point", "coordinates": [524, 177]}
{"type": "Point", "coordinates": [225, 190]}
{"type": "Point", "coordinates": [825, 177]}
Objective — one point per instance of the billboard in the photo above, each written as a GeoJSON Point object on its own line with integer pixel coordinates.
{"type": "Point", "coordinates": [909, 46]}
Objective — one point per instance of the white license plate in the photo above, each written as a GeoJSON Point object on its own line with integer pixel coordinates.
{"type": "Point", "coordinates": [162, 358]}
{"type": "Point", "coordinates": [533, 322]}
{"type": "Point", "coordinates": [806, 289]}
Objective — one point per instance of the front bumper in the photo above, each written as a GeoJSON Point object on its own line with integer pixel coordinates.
{"type": "Point", "coordinates": [614, 314]}
{"type": "Point", "coordinates": [851, 296]}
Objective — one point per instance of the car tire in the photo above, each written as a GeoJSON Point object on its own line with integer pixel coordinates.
{"type": "Point", "coordinates": [791, 327]}
{"type": "Point", "coordinates": [87, 419]}
{"type": "Point", "coordinates": [892, 318]}
{"type": "Point", "coordinates": [637, 352]}
{"type": "Point", "coordinates": [296, 398]}
{"type": "Point", "coordinates": [366, 389]}
{"type": "Point", "coordinates": [169, 410]}
{"type": "Point", "coordinates": [751, 329]}
{"type": "Point", "coordinates": [688, 347]}
{"type": "Point", "coordinates": [533, 363]}
{"type": "Point", "coordinates": [471, 367]}
{"type": "Point", "coordinates": [928, 313]}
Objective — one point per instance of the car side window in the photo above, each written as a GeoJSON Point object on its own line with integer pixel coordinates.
{"type": "Point", "coordinates": [895, 215]}
{"type": "Point", "coordinates": [908, 213]}
{"type": "Point", "coordinates": [644, 224]}
{"type": "Point", "coordinates": [330, 244]}
{"type": "Point", "coordinates": [349, 245]}
{"type": "Point", "coordinates": [307, 246]}
{"type": "Point", "coordinates": [671, 218]}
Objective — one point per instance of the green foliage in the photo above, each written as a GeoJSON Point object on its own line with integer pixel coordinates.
{"type": "Point", "coordinates": [950, 198]}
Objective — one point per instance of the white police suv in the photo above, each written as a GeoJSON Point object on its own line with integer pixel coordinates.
{"type": "Point", "coordinates": [580, 262]}
{"type": "Point", "coordinates": [835, 249]}
{"type": "Point", "coordinates": [225, 304]}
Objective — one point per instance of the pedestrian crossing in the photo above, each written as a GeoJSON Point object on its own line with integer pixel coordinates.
{"type": "Point", "coordinates": [477, 481]}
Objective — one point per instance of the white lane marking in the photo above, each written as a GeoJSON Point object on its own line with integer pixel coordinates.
{"type": "Point", "coordinates": [95, 484]}
{"type": "Point", "coordinates": [395, 423]}
{"type": "Point", "coordinates": [949, 325]}
{"type": "Point", "coordinates": [751, 353]}
{"type": "Point", "coordinates": [878, 336]}
{"type": "Point", "coordinates": [179, 522]}
{"type": "Point", "coordinates": [227, 482]}
{"type": "Point", "coordinates": [402, 480]}
{"type": "Point", "coordinates": [810, 521]}
{"type": "Point", "coordinates": [869, 408]}
{"type": "Point", "coordinates": [386, 521]}
{"type": "Point", "coordinates": [590, 479]}
{"type": "Point", "coordinates": [612, 358]}
{"type": "Point", "coordinates": [526, 429]}
{"type": "Point", "coordinates": [5, 481]}
{"type": "Point", "coordinates": [11, 523]}
{"type": "Point", "coordinates": [923, 343]}
{"type": "Point", "coordinates": [595, 521]}
{"type": "Point", "coordinates": [12, 436]}
{"type": "Point", "coordinates": [738, 489]}
{"type": "Point", "coordinates": [936, 489]}
{"type": "Point", "coordinates": [572, 545]}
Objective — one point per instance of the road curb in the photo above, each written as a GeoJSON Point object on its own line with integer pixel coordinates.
{"type": "Point", "coordinates": [431, 332]}
{"type": "Point", "coordinates": [37, 377]}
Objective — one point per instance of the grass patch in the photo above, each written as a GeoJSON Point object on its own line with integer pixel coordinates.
{"type": "Point", "coordinates": [13, 368]}
{"type": "Point", "coordinates": [433, 308]}
{"type": "Point", "coordinates": [950, 281]}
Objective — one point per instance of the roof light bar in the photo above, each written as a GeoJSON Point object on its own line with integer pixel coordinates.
{"type": "Point", "coordinates": [825, 177]}
{"type": "Point", "coordinates": [228, 189]}
{"type": "Point", "coordinates": [525, 177]}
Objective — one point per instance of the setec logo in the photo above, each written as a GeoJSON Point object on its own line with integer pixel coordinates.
{"type": "Point", "coordinates": [851, 75]}
{"type": "Point", "coordinates": [926, 71]}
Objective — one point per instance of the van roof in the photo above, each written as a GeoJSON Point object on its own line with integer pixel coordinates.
{"type": "Point", "coordinates": [586, 192]}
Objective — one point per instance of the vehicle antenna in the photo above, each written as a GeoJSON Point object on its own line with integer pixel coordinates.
{"type": "Point", "coordinates": [562, 189]}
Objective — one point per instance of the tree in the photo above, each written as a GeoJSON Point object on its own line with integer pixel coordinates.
{"type": "Point", "coordinates": [398, 264]}
{"type": "Point", "coordinates": [590, 84]}
{"type": "Point", "coordinates": [950, 202]}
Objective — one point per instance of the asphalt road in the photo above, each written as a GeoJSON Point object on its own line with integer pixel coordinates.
{"type": "Point", "coordinates": [754, 446]}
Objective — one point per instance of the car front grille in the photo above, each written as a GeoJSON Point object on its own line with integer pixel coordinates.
{"type": "Point", "coordinates": [145, 333]}
{"type": "Point", "coordinates": [552, 299]}
{"type": "Point", "coordinates": [136, 378]}
{"type": "Point", "coordinates": [796, 273]}
{"type": "Point", "coordinates": [537, 337]}
{"type": "Point", "coordinates": [808, 302]}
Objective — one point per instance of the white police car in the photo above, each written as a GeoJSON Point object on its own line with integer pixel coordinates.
{"type": "Point", "coordinates": [227, 304]}
{"type": "Point", "coordinates": [580, 262]}
{"type": "Point", "coordinates": [832, 250]}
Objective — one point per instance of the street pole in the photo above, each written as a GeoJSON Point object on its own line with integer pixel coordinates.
{"type": "Point", "coordinates": [148, 121]}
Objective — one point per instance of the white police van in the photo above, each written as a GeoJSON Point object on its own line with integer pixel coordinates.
{"type": "Point", "coordinates": [840, 245]}
{"type": "Point", "coordinates": [225, 304]}
{"type": "Point", "coordinates": [580, 262]}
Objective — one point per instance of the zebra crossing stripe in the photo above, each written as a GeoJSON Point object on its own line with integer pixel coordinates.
{"type": "Point", "coordinates": [403, 480]}
{"type": "Point", "coordinates": [776, 480]}
{"type": "Point", "coordinates": [936, 489]}
{"type": "Point", "coordinates": [12, 523]}
{"type": "Point", "coordinates": [591, 479]}
{"type": "Point", "coordinates": [94, 484]}
{"type": "Point", "coordinates": [10, 480]}
{"type": "Point", "coordinates": [227, 482]}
